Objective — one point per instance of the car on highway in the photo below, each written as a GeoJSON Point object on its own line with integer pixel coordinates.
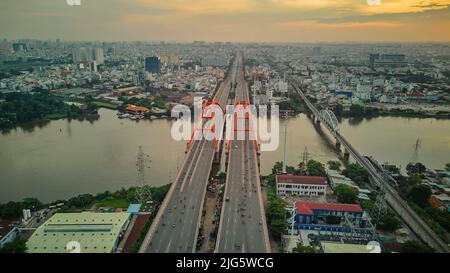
{"type": "Point", "coordinates": [227, 199]}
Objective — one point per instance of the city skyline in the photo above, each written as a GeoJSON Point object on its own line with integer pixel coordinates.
{"type": "Point", "coordinates": [232, 20]}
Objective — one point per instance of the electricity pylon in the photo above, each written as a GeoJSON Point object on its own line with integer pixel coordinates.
{"type": "Point", "coordinates": [143, 192]}
{"type": "Point", "coordinates": [415, 156]}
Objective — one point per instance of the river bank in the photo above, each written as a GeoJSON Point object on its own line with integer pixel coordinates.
{"type": "Point", "coordinates": [419, 110]}
{"type": "Point", "coordinates": [63, 158]}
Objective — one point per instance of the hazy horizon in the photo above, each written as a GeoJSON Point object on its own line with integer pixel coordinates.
{"type": "Point", "coordinates": [257, 21]}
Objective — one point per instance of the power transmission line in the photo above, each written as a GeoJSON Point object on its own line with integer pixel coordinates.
{"type": "Point", "coordinates": [415, 156]}
{"type": "Point", "coordinates": [143, 192]}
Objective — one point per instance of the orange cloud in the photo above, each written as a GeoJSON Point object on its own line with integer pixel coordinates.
{"type": "Point", "coordinates": [198, 6]}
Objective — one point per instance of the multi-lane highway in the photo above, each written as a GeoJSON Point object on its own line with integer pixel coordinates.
{"type": "Point", "coordinates": [242, 223]}
{"type": "Point", "coordinates": [176, 225]}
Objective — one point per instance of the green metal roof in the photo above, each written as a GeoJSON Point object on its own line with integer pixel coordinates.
{"type": "Point", "coordinates": [344, 248]}
{"type": "Point", "coordinates": [95, 232]}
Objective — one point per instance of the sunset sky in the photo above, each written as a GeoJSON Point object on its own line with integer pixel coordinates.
{"type": "Point", "coordinates": [228, 20]}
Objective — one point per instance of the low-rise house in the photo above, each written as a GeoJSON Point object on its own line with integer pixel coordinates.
{"type": "Point", "coordinates": [137, 110]}
{"type": "Point", "coordinates": [333, 217]}
{"type": "Point", "coordinates": [301, 185]}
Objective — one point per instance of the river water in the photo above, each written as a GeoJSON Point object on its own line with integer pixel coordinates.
{"type": "Point", "coordinates": [60, 159]}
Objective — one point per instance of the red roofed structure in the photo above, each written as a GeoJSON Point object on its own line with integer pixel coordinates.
{"type": "Point", "coordinates": [308, 213]}
{"type": "Point", "coordinates": [416, 96]}
{"type": "Point", "coordinates": [300, 179]}
{"type": "Point", "coordinates": [137, 109]}
{"type": "Point", "coordinates": [331, 217]}
{"type": "Point", "coordinates": [309, 208]}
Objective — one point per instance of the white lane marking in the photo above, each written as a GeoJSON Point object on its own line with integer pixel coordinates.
{"type": "Point", "coordinates": [168, 246]}
{"type": "Point", "coordinates": [197, 153]}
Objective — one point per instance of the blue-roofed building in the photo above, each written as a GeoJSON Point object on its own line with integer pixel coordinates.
{"type": "Point", "coordinates": [346, 93]}
{"type": "Point", "coordinates": [315, 216]}
{"type": "Point", "coordinates": [134, 208]}
{"type": "Point", "coordinates": [8, 232]}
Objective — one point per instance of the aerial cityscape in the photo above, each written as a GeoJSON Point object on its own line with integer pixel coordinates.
{"type": "Point", "coordinates": [149, 126]}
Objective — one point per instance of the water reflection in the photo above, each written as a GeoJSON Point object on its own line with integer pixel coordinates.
{"type": "Point", "coordinates": [29, 127]}
{"type": "Point", "coordinates": [60, 159]}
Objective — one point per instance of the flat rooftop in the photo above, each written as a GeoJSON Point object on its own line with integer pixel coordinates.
{"type": "Point", "coordinates": [299, 179]}
{"type": "Point", "coordinates": [95, 232]}
{"type": "Point", "coordinates": [344, 248]}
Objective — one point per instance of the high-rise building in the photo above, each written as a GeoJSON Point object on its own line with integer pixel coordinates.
{"type": "Point", "coordinates": [170, 59]}
{"type": "Point", "coordinates": [153, 64]}
{"type": "Point", "coordinates": [387, 59]}
{"type": "Point", "coordinates": [81, 55]}
{"type": "Point", "coordinates": [372, 58]}
{"type": "Point", "coordinates": [19, 47]}
{"type": "Point", "coordinates": [98, 55]}
{"type": "Point", "coordinates": [317, 51]}
{"type": "Point", "coordinates": [84, 54]}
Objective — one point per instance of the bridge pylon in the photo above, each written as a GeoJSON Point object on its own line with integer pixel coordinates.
{"type": "Point", "coordinates": [208, 114]}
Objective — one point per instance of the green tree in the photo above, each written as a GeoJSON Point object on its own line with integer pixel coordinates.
{"type": "Point", "coordinates": [392, 169]}
{"type": "Point", "coordinates": [304, 249]}
{"type": "Point", "coordinates": [18, 245]}
{"type": "Point", "coordinates": [315, 168]}
{"type": "Point", "coordinates": [334, 165]}
{"type": "Point", "coordinates": [19, 108]}
{"type": "Point", "coordinates": [159, 193]}
{"type": "Point", "coordinates": [357, 173]}
{"type": "Point", "coordinates": [277, 168]}
{"type": "Point", "coordinates": [420, 194]}
{"type": "Point", "coordinates": [447, 167]}
{"type": "Point", "coordinates": [222, 175]}
{"type": "Point", "coordinates": [276, 213]}
{"type": "Point", "coordinates": [32, 203]}
{"type": "Point", "coordinates": [80, 201]}
{"type": "Point", "coordinates": [11, 209]}
{"type": "Point", "coordinates": [389, 223]}
{"type": "Point", "coordinates": [356, 110]}
{"type": "Point", "coordinates": [346, 195]}
{"type": "Point", "coordinates": [416, 247]}
{"type": "Point", "coordinates": [440, 216]}
{"type": "Point", "coordinates": [417, 168]}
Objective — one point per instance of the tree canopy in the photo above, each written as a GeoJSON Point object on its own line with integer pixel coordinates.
{"type": "Point", "coordinates": [346, 195]}
{"type": "Point", "coordinates": [18, 245]}
{"type": "Point", "coordinates": [389, 223]}
{"type": "Point", "coordinates": [13, 209]}
{"type": "Point", "coordinates": [315, 168]}
{"type": "Point", "coordinates": [420, 194]}
{"type": "Point", "coordinates": [417, 168]}
{"type": "Point", "coordinates": [304, 249]}
{"type": "Point", "coordinates": [416, 247]}
{"type": "Point", "coordinates": [356, 173]}
{"type": "Point", "coordinates": [20, 108]}
{"type": "Point", "coordinates": [276, 213]}
{"type": "Point", "coordinates": [334, 165]}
